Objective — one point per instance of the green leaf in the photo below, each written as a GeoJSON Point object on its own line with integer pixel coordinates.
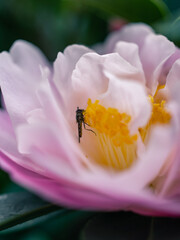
{"type": "Point", "coordinates": [130, 226]}
{"type": "Point", "coordinates": [172, 4]}
{"type": "Point", "coordinates": [16, 208]}
{"type": "Point", "coordinates": [28, 217]}
{"type": "Point", "coordinates": [133, 10]}
{"type": "Point", "coordinates": [63, 224]}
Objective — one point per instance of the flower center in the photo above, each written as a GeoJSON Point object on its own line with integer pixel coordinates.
{"type": "Point", "coordinates": [112, 129]}
{"type": "Point", "coordinates": [117, 145]}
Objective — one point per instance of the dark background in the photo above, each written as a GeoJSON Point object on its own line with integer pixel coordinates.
{"type": "Point", "coordinates": [52, 25]}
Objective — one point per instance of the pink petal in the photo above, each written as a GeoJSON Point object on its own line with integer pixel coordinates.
{"type": "Point", "coordinates": [8, 143]}
{"type": "Point", "coordinates": [19, 78]}
{"type": "Point", "coordinates": [167, 66]}
{"type": "Point", "coordinates": [135, 33]}
{"type": "Point", "coordinates": [169, 185]}
{"type": "Point", "coordinates": [80, 198]}
{"type": "Point", "coordinates": [147, 204]}
{"type": "Point", "coordinates": [65, 64]}
{"type": "Point", "coordinates": [157, 152]}
{"type": "Point", "coordinates": [48, 141]}
{"type": "Point", "coordinates": [7, 139]}
{"type": "Point", "coordinates": [173, 82]}
{"type": "Point", "coordinates": [130, 52]}
{"type": "Point", "coordinates": [88, 79]}
{"type": "Point", "coordinates": [55, 191]}
{"type": "Point", "coordinates": [122, 69]}
{"type": "Point", "coordinates": [156, 50]}
{"type": "Point", "coordinates": [99, 198]}
{"type": "Point", "coordinates": [128, 97]}
{"type": "Point", "coordinates": [28, 57]}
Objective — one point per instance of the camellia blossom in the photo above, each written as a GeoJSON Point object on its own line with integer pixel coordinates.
{"type": "Point", "coordinates": [128, 157]}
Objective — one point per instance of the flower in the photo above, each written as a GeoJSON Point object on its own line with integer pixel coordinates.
{"type": "Point", "coordinates": [128, 96]}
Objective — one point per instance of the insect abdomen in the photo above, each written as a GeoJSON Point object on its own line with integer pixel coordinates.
{"type": "Point", "coordinates": [80, 129]}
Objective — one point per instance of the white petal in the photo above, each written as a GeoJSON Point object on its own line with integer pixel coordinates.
{"type": "Point", "coordinates": [17, 88]}
{"type": "Point", "coordinates": [130, 52]}
{"type": "Point", "coordinates": [134, 33]}
{"type": "Point", "coordinates": [64, 66]}
{"type": "Point", "coordinates": [19, 77]}
{"type": "Point", "coordinates": [173, 81]}
{"type": "Point", "coordinates": [128, 97]}
{"type": "Point", "coordinates": [122, 69]}
{"type": "Point", "coordinates": [156, 50]}
{"type": "Point", "coordinates": [88, 78]}
{"type": "Point", "coordinates": [28, 57]}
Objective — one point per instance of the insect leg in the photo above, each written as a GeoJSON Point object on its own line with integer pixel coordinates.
{"type": "Point", "coordinates": [88, 128]}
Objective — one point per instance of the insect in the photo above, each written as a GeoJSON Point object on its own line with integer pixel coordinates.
{"type": "Point", "coordinates": [80, 120]}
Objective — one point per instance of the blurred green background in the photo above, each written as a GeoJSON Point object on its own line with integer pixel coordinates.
{"type": "Point", "coordinates": [52, 25]}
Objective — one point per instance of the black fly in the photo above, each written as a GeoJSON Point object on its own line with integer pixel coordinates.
{"type": "Point", "coordinates": [80, 120]}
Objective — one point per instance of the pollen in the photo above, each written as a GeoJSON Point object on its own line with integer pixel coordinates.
{"type": "Point", "coordinates": [112, 131]}
{"type": "Point", "coordinates": [109, 121]}
{"type": "Point", "coordinates": [159, 114]}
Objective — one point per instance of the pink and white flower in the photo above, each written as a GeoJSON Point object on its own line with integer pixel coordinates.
{"type": "Point", "coordinates": [129, 91]}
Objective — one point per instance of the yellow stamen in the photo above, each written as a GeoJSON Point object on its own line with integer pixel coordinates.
{"type": "Point", "coordinates": [159, 112]}
{"type": "Point", "coordinates": [112, 129]}
{"type": "Point", "coordinates": [117, 145]}
{"type": "Point", "coordinates": [159, 115]}
{"type": "Point", "coordinates": [159, 87]}
{"type": "Point", "coordinates": [110, 122]}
